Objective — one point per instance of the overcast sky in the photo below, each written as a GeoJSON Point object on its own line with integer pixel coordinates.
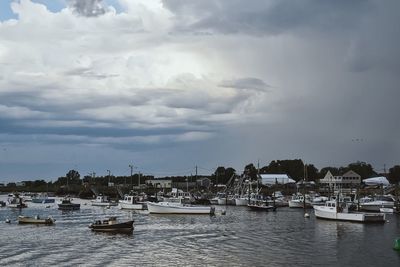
{"type": "Point", "coordinates": [166, 85]}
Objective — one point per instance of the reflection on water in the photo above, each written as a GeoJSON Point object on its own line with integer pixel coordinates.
{"type": "Point", "coordinates": [239, 238]}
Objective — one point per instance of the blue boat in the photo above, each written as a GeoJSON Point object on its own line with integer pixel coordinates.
{"type": "Point", "coordinates": [42, 198]}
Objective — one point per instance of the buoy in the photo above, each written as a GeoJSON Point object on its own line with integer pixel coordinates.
{"type": "Point", "coordinates": [223, 212]}
{"type": "Point", "coordinates": [306, 215]}
{"type": "Point", "coordinates": [397, 244]}
{"type": "Point", "coordinates": [8, 220]}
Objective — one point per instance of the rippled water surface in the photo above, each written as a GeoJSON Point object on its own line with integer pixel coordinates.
{"type": "Point", "coordinates": [239, 238]}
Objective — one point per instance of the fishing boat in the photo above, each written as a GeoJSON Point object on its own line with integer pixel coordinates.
{"type": "Point", "coordinates": [15, 201]}
{"type": "Point", "coordinates": [133, 201]}
{"type": "Point", "coordinates": [335, 210]}
{"type": "Point", "coordinates": [178, 208]}
{"type": "Point", "coordinates": [215, 200]}
{"type": "Point", "coordinates": [103, 201]}
{"type": "Point", "coordinates": [298, 201]}
{"type": "Point", "coordinates": [111, 225]}
{"type": "Point", "coordinates": [42, 198]}
{"type": "Point", "coordinates": [66, 204]}
{"type": "Point", "coordinates": [35, 220]}
{"type": "Point", "coordinates": [260, 205]}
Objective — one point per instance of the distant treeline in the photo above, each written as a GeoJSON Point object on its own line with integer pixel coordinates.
{"type": "Point", "coordinates": [295, 168]}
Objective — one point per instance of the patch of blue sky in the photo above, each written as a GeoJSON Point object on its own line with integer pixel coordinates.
{"type": "Point", "coordinates": [5, 10]}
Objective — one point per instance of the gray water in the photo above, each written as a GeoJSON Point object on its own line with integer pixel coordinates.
{"type": "Point", "coordinates": [239, 238]}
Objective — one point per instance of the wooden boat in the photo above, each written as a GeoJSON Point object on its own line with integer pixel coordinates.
{"type": "Point", "coordinates": [335, 210]}
{"type": "Point", "coordinates": [35, 220]}
{"type": "Point", "coordinates": [66, 204]}
{"type": "Point", "coordinates": [111, 225]}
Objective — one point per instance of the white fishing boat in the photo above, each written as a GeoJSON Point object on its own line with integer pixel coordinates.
{"type": "Point", "coordinates": [103, 201]}
{"type": "Point", "coordinates": [178, 195]}
{"type": "Point", "coordinates": [177, 208]}
{"type": "Point", "coordinates": [133, 201]}
{"type": "Point", "coordinates": [334, 210]}
{"type": "Point", "coordinates": [241, 200]}
{"type": "Point", "coordinates": [216, 200]}
{"type": "Point", "coordinates": [298, 201]}
{"type": "Point", "coordinates": [15, 201]}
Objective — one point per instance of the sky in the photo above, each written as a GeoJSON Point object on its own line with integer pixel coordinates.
{"type": "Point", "coordinates": [167, 85]}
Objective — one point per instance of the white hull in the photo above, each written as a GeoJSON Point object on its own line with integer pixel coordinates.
{"type": "Point", "coordinates": [241, 201]}
{"type": "Point", "coordinates": [222, 201]}
{"type": "Point", "coordinates": [174, 208]}
{"type": "Point", "coordinates": [104, 204]}
{"type": "Point", "coordinates": [298, 204]}
{"type": "Point", "coordinates": [129, 206]}
{"type": "Point", "coordinates": [214, 201]}
{"type": "Point", "coordinates": [331, 214]}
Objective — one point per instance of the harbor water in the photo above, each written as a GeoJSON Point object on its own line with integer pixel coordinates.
{"type": "Point", "coordinates": [239, 238]}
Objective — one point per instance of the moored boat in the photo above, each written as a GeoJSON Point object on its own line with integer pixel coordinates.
{"type": "Point", "coordinates": [66, 204]}
{"type": "Point", "coordinates": [103, 201]}
{"type": "Point", "coordinates": [178, 208]}
{"type": "Point", "coordinates": [15, 201]}
{"type": "Point", "coordinates": [133, 201]}
{"type": "Point", "coordinates": [260, 205]}
{"type": "Point", "coordinates": [376, 203]}
{"type": "Point", "coordinates": [334, 210]}
{"type": "Point", "coordinates": [111, 225]}
{"type": "Point", "coordinates": [35, 220]}
{"type": "Point", "coordinates": [42, 198]}
{"type": "Point", "coordinates": [298, 201]}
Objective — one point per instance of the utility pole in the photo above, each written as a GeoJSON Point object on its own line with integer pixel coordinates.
{"type": "Point", "coordinates": [109, 176]}
{"type": "Point", "coordinates": [131, 166]}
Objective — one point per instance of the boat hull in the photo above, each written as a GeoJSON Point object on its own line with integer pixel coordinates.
{"type": "Point", "coordinates": [69, 206]}
{"type": "Point", "coordinates": [130, 206]}
{"type": "Point", "coordinates": [261, 207]}
{"type": "Point", "coordinates": [125, 227]}
{"type": "Point", "coordinates": [331, 214]}
{"type": "Point", "coordinates": [30, 220]}
{"type": "Point", "coordinates": [104, 204]}
{"type": "Point", "coordinates": [173, 208]}
{"type": "Point", "coordinates": [241, 201]}
{"type": "Point", "coordinates": [298, 204]}
{"type": "Point", "coordinates": [43, 200]}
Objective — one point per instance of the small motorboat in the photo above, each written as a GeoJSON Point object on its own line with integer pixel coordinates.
{"type": "Point", "coordinates": [260, 205]}
{"type": "Point", "coordinates": [35, 220]}
{"type": "Point", "coordinates": [111, 225]}
{"type": "Point", "coordinates": [66, 204]}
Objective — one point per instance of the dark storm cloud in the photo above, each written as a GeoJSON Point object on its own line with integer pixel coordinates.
{"type": "Point", "coordinates": [265, 17]}
{"type": "Point", "coordinates": [87, 8]}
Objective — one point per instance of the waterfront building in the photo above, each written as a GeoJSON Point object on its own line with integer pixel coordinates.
{"type": "Point", "coordinates": [160, 183]}
{"type": "Point", "coordinates": [347, 181]}
{"type": "Point", "coordinates": [271, 179]}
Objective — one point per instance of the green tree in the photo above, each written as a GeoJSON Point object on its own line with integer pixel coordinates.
{"type": "Point", "coordinates": [394, 174]}
{"type": "Point", "coordinates": [251, 171]}
{"type": "Point", "coordinates": [73, 177]}
{"type": "Point", "coordinates": [363, 169]}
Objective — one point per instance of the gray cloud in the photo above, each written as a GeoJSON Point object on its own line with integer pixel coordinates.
{"type": "Point", "coordinates": [87, 8]}
{"type": "Point", "coordinates": [246, 83]}
{"type": "Point", "coordinates": [266, 17]}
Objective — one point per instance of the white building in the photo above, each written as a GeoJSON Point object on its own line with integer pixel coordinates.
{"type": "Point", "coordinates": [348, 180]}
{"type": "Point", "coordinates": [160, 183]}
